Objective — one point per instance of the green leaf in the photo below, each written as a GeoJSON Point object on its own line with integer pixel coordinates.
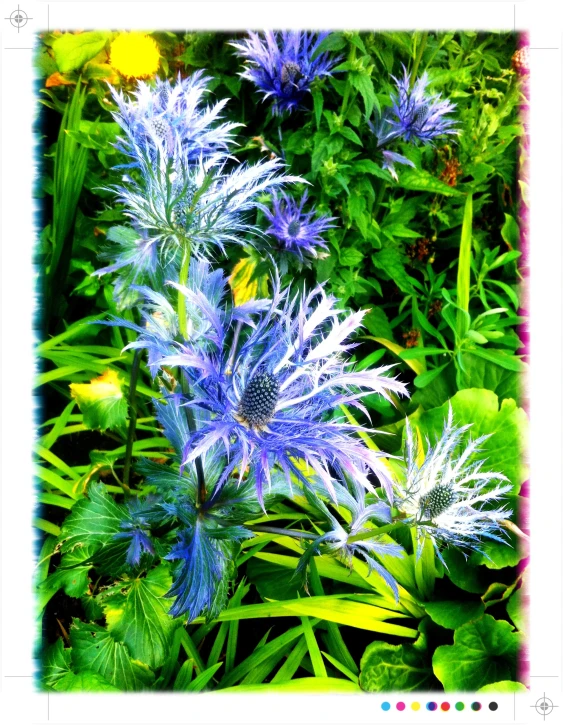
{"type": "Point", "coordinates": [72, 51]}
{"type": "Point", "coordinates": [509, 362]}
{"type": "Point", "coordinates": [497, 555]}
{"type": "Point", "coordinates": [330, 685]}
{"type": "Point", "coordinates": [392, 262]}
{"type": "Point", "coordinates": [452, 615]}
{"type": "Point", "coordinates": [203, 678]}
{"type": "Point", "coordinates": [464, 268]}
{"type": "Point", "coordinates": [462, 574]}
{"type": "Point", "coordinates": [427, 377]}
{"type": "Point", "coordinates": [101, 401]}
{"type": "Point", "coordinates": [94, 520]}
{"type": "Point", "coordinates": [394, 668]}
{"type": "Point", "coordinates": [504, 686]}
{"type": "Point", "coordinates": [363, 83]}
{"type": "Point", "coordinates": [351, 257]}
{"type": "Point", "coordinates": [478, 373]}
{"type": "Point", "coordinates": [415, 352]}
{"type": "Point", "coordinates": [94, 648]}
{"type": "Point", "coordinates": [515, 610]}
{"type": "Point", "coordinates": [85, 681]}
{"type": "Point", "coordinates": [510, 231]}
{"type": "Point", "coordinates": [367, 166]}
{"type": "Point", "coordinates": [350, 135]}
{"type": "Point", "coordinates": [484, 652]}
{"type": "Point", "coordinates": [140, 618]}
{"type": "Point", "coordinates": [507, 426]}
{"type": "Point", "coordinates": [419, 180]}
{"type": "Point", "coordinates": [56, 663]}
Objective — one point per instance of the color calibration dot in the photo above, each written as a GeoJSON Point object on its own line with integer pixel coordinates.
{"type": "Point", "coordinates": [431, 706]}
{"type": "Point", "coordinates": [401, 706]}
{"type": "Point", "coordinates": [476, 706]}
{"type": "Point", "coordinates": [493, 706]}
{"type": "Point", "coordinates": [415, 706]}
{"type": "Point", "coordinates": [459, 706]}
{"type": "Point", "coordinates": [445, 706]}
{"type": "Point", "coordinates": [385, 706]}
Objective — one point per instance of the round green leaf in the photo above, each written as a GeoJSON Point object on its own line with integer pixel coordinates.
{"type": "Point", "coordinates": [483, 652]}
{"type": "Point", "coordinates": [504, 686]}
{"type": "Point", "coordinates": [393, 668]}
{"type": "Point", "coordinates": [73, 50]}
{"type": "Point", "coordinates": [451, 615]}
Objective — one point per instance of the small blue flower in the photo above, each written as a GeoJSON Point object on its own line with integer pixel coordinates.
{"type": "Point", "coordinates": [415, 114]}
{"type": "Point", "coordinates": [446, 495]}
{"type": "Point", "coordinates": [271, 392]}
{"type": "Point", "coordinates": [297, 232]}
{"type": "Point", "coordinates": [282, 65]}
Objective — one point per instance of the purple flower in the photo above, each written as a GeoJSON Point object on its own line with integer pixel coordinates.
{"type": "Point", "coordinates": [274, 393]}
{"type": "Point", "coordinates": [297, 232]}
{"type": "Point", "coordinates": [390, 158]}
{"type": "Point", "coordinates": [415, 114]}
{"type": "Point", "coordinates": [282, 65]}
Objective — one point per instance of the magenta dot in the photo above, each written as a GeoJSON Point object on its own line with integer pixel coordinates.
{"type": "Point", "coordinates": [401, 706]}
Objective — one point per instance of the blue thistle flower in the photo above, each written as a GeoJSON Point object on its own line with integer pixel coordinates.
{"type": "Point", "coordinates": [171, 117]}
{"type": "Point", "coordinates": [415, 114]}
{"type": "Point", "coordinates": [297, 232]}
{"type": "Point", "coordinates": [447, 496]}
{"type": "Point", "coordinates": [137, 529]}
{"type": "Point", "coordinates": [178, 189]}
{"type": "Point", "coordinates": [269, 400]}
{"type": "Point", "coordinates": [282, 65]}
{"type": "Point", "coordinates": [390, 158]}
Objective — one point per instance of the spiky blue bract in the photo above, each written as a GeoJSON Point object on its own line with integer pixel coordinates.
{"type": "Point", "coordinates": [180, 189]}
{"type": "Point", "coordinates": [282, 65]}
{"type": "Point", "coordinates": [171, 117]}
{"type": "Point", "coordinates": [390, 158]}
{"type": "Point", "coordinates": [415, 115]}
{"type": "Point", "coordinates": [337, 540]}
{"type": "Point", "coordinates": [446, 495]}
{"type": "Point", "coordinates": [295, 230]}
{"type": "Point", "coordinates": [299, 342]}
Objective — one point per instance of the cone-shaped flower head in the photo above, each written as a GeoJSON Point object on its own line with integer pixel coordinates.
{"type": "Point", "coordinates": [447, 495]}
{"type": "Point", "coordinates": [282, 65]}
{"type": "Point", "coordinates": [274, 391]}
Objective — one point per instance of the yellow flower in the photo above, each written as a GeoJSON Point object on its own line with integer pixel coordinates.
{"type": "Point", "coordinates": [135, 55]}
{"type": "Point", "coordinates": [244, 284]}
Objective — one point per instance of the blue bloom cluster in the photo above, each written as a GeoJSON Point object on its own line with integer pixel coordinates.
{"type": "Point", "coordinates": [255, 396]}
{"type": "Point", "coordinates": [284, 65]}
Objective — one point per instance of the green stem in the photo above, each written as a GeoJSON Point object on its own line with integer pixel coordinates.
{"type": "Point", "coordinates": [184, 274]}
{"type": "Point", "coordinates": [283, 532]}
{"type": "Point", "coordinates": [345, 97]}
{"type": "Point", "coordinates": [379, 199]}
{"type": "Point", "coordinates": [132, 420]}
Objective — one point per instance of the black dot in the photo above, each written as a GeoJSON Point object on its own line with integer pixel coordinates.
{"type": "Point", "coordinates": [493, 706]}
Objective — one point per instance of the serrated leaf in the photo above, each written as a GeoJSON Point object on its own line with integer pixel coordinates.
{"type": "Point", "coordinates": [73, 50]}
{"type": "Point", "coordinates": [56, 663]}
{"type": "Point", "coordinates": [140, 618]}
{"type": "Point", "coordinates": [350, 257]}
{"type": "Point", "coordinates": [484, 652]}
{"type": "Point", "coordinates": [94, 648]}
{"type": "Point", "coordinates": [101, 401]}
{"type": "Point", "coordinates": [94, 520]}
{"type": "Point", "coordinates": [394, 668]}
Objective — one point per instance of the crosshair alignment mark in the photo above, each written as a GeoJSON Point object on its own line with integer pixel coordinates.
{"type": "Point", "coordinates": [18, 18]}
{"type": "Point", "coordinates": [544, 706]}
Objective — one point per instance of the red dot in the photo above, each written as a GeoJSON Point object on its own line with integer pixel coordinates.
{"type": "Point", "coordinates": [401, 706]}
{"type": "Point", "coordinates": [445, 706]}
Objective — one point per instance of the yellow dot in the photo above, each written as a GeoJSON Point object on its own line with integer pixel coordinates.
{"type": "Point", "coordinates": [415, 706]}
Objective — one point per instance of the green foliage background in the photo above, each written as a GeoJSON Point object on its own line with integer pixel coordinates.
{"type": "Point", "coordinates": [435, 257]}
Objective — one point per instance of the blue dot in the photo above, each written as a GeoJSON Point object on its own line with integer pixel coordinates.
{"type": "Point", "coordinates": [431, 706]}
{"type": "Point", "coordinates": [385, 706]}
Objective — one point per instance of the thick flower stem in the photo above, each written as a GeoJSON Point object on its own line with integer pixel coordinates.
{"type": "Point", "coordinates": [132, 420]}
{"type": "Point", "coordinates": [201, 492]}
{"type": "Point", "coordinates": [184, 274]}
{"type": "Point", "coordinates": [419, 52]}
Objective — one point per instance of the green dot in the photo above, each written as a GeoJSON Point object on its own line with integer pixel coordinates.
{"type": "Point", "coordinates": [459, 706]}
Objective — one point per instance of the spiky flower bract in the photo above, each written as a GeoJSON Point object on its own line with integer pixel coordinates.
{"type": "Point", "coordinates": [297, 232]}
{"type": "Point", "coordinates": [339, 539]}
{"type": "Point", "coordinates": [273, 391]}
{"type": "Point", "coordinates": [415, 114]}
{"type": "Point", "coordinates": [446, 495]}
{"type": "Point", "coordinates": [179, 189]}
{"type": "Point", "coordinates": [134, 55]}
{"type": "Point", "coordinates": [283, 65]}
